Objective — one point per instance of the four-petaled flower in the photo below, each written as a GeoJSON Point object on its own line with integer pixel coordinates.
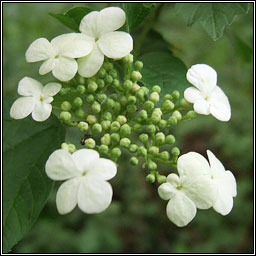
{"type": "Point", "coordinates": [58, 55]}
{"type": "Point", "coordinates": [208, 98]}
{"type": "Point", "coordinates": [100, 27]}
{"type": "Point", "coordinates": [86, 176]}
{"type": "Point", "coordinates": [36, 99]}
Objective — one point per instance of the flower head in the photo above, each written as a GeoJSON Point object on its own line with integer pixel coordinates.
{"type": "Point", "coordinates": [86, 176]}
{"type": "Point", "coordinates": [36, 99]}
{"type": "Point", "coordinates": [58, 55]}
{"type": "Point", "coordinates": [208, 98]}
{"type": "Point", "coordinates": [100, 27]}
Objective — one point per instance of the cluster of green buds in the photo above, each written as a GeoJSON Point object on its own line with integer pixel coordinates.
{"type": "Point", "coordinates": [114, 111]}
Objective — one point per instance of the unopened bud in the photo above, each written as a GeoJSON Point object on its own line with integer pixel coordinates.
{"type": "Point", "coordinates": [142, 151]}
{"type": "Point", "coordinates": [100, 83]}
{"type": "Point", "coordinates": [65, 116]}
{"type": "Point", "coordinates": [164, 155]}
{"type": "Point", "coordinates": [190, 115]}
{"type": "Point", "coordinates": [113, 73]}
{"type": "Point", "coordinates": [153, 150]}
{"type": "Point", "coordinates": [71, 148]}
{"type": "Point", "coordinates": [136, 75]}
{"type": "Point", "coordinates": [151, 129]}
{"type": "Point", "coordinates": [132, 99]}
{"type": "Point", "coordinates": [117, 107]}
{"type": "Point", "coordinates": [175, 151]}
{"type": "Point", "coordinates": [115, 138]}
{"type": "Point", "coordinates": [90, 99]}
{"type": "Point", "coordinates": [116, 83]}
{"type": "Point", "coordinates": [156, 88]}
{"type": "Point", "coordinates": [80, 89]}
{"type": "Point", "coordinates": [108, 79]}
{"type": "Point", "coordinates": [103, 149]}
{"type": "Point", "coordinates": [108, 66]}
{"type": "Point", "coordinates": [115, 153]}
{"type": "Point", "coordinates": [110, 103]}
{"type": "Point", "coordinates": [127, 85]}
{"type": "Point", "coordinates": [152, 166]}
{"type": "Point", "coordinates": [134, 160]}
{"type": "Point", "coordinates": [150, 178]}
{"type": "Point", "coordinates": [162, 123]}
{"type": "Point", "coordinates": [107, 116]}
{"type": "Point", "coordinates": [101, 97]}
{"type": "Point", "coordinates": [80, 113]}
{"type": "Point", "coordinates": [138, 65]}
{"type": "Point", "coordinates": [133, 148]}
{"type": "Point", "coordinates": [143, 138]}
{"type": "Point", "coordinates": [105, 140]}
{"type": "Point", "coordinates": [161, 179]}
{"type": "Point", "coordinates": [123, 100]}
{"type": "Point", "coordinates": [78, 102]}
{"type": "Point", "coordinates": [83, 126]}
{"type": "Point", "coordinates": [170, 139]}
{"type": "Point", "coordinates": [121, 119]}
{"type": "Point", "coordinates": [128, 58]}
{"type": "Point", "coordinates": [175, 95]}
{"type": "Point", "coordinates": [184, 103]}
{"type": "Point", "coordinates": [131, 108]}
{"type": "Point", "coordinates": [125, 130]}
{"type": "Point", "coordinates": [160, 138]}
{"type": "Point", "coordinates": [140, 94]}
{"type": "Point", "coordinates": [65, 106]}
{"type": "Point", "coordinates": [154, 96]}
{"type": "Point", "coordinates": [177, 115]}
{"type": "Point", "coordinates": [137, 128]}
{"type": "Point", "coordinates": [143, 114]}
{"type": "Point", "coordinates": [168, 97]}
{"type": "Point", "coordinates": [91, 119]}
{"type": "Point", "coordinates": [92, 87]}
{"type": "Point", "coordinates": [97, 128]}
{"type": "Point", "coordinates": [167, 106]}
{"type": "Point", "coordinates": [135, 88]}
{"type": "Point", "coordinates": [96, 108]}
{"type": "Point", "coordinates": [172, 120]}
{"type": "Point", "coordinates": [125, 142]}
{"type": "Point", "coordinates": [101, 73]}
{"type": "Point", "coordinates": [115, 126]}
{"type": "Point", "coordinates": [148, 105]}
{"type": "Point", "coordinates": [65, 146]}
{"type": "Point", "coordinates": [90, 143]}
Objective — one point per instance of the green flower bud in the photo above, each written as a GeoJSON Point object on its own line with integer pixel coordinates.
{"type": "Point", "coordinates": [90, 143]}
{"type": "Point", "coordinates": [177, 115]}
{"type": "Point", "coordinates": [97, 128]}
{"type": "Point", "coordinates": [91, 119]}
{"type": "Point", "coordinates": [151, 129]}
{"type": "Point", "coordinates": [108, 79]}
{"type": "Point", "coordinates": [115, 126]}
{"type": "Point", "coordinates": [115, 138]}
{"type": "Point", "coordinates": [107, 116]}
{"type": "Point", "coordinates": [116, 83]}
{"type": "Point", "coordinates": [190, 115]}
{"type": "Point", "coordinates": [172, 120]}
{"type": "Point", "coordinates": [145, 90]}
{"type": "Point", "coordinates": [133, 148]}
{"type": "Point", "coordinates": [164, 155]}
{"type": "Point", "coordinates": [134, 160]}
{"type": "Point", "coordinates": [78, 102]}
{"type": "Point", "coordinates": [110, 103]}
{"type": "Point", "coordinates": [135, 88]}
{"type": "Point", "coordinates": [121, 119]}
{"type": "Point", "coordinates": [64, 91]}
{"type": "Point", "coordinates": [184, 103]}
{"type": "Point", "coordinates": [160, 138]}
{"type": "Point", "coordinates": [143, 138]}
{"type": "Point", "coordinates": [148, 105]}
{"type": "Point", "coordinates": [92, 87]}
{"type": "Point", "coordinates": [105, 124]}
{"type": "Point", "coordinates": [132, 99]}
{"type": "Point", "coordinates": [125, 142]}
{"type": "Point", "coordinates": [170, 139]}
{"type": "Point", "coordinates": [161, 179]}
{"type": "Point", "coordinates": [83, 126]}
{"type": "Point", "coordinates": [113, 73]}
{"type": "Point", "coordinates": [175, 151]}
{"type": "Point", "coordinates": [117, 107]}
{"type": "Point", "coordinates": [90, 99]}
{"type": "Point", "coordinates": [100, 83]}
{"type": "Point", "coordinates": [136, 75]}
{"type": "Point", "coordinates": [80, 89]}
{"type": "Point", "coordinates": [168, 97]}
{"type": "Point", "coordinates": [137, 128]}
{"type": "Point", "coordinates": [115, 153]}
{"type": "Point", "coordinates": [158, 110]}
{"type": "Point", "coordinates": [175, 95]}
{"type": "Point", "coordinates": [153, 150]}
{"type": "Point", "coordinates": [167, 106]}
{"type": "Point", "coordinates": [106, 139]}
{"type": "Point", "coordinates": [142, 151]}
{"type": "Point", "coordinates": [152, 166]}
{"type": "Point", "coordinates": [138, 65]}
{"type": "Point", "coordinates": [71, 148]}
{"type": "Point", "coordinates": [127, 85]}
{"type": "Point", "coordinates": [143, 114]}
{"type": "Point", "coordinates": [101, 97]}
{"type": "Point", "coordinates": [108, 66]}
{"type": "Point", "coordinates": [154, 96]}
{"type": "Point", "coordinates": [65, 116]}
{"type": "Point", "coordinates": [131, 108]}
{"type": "Point", "coordinates": [80, 113]}
{"type": "Point", "coordinates": [156, 116]}
{"type": "Point", "coordinates": [140, 94]}
{"type": "Point", "coordinates": [101, 73]}
{"type": "Point", "coordinates": [162, 123]}
{"type": "Point", "coordinates": [123, 100]}
{"type": "Point", "coordinates": [128, 58]}
{"type": "Point", "coordinates": [81, 80]}
{"type": "Point", "coordinates": [65, 106]}
{"type": "Point", "coordinates": [114, 96]}
{"type": "Point", "coordinates": [150, 178]}
{"type": "Point", "coordinates": [65, 146]}
{"type": "Point", "coordinates": [103, 149]}
{"type": "Point", "coordinates": [96, 108]}
{"type": "Point", "coordinates": [156, 88]}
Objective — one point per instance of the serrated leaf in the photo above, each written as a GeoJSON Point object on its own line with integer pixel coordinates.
{"type": "Point", "coordinates": [212, 16]}
{"type": "Point", "coordinates": [136, 14]}
{"type": "Point", "coordinates": [165, 70]}
{"type": "Point", "coordinates": [72, 17]}
{"type": "Point", "coordinates": [27, 145]}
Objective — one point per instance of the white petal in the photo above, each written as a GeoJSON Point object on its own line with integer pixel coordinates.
{"type": "Point", "coordinates": [203, 77]}
{"type": "Point", "coordinates": [217, 167]}
{"type": "Point", "coordinates": [22, 107]}
{"type": "Point", "coordinates": [180, 210]}
{"type": "Point", "coordinates": [192, 94]}
{"type": "Point", "coordinates": [110, 19]}
{"type": "Point", "coordinates": [29, 87]}
{"type": "Point", "coordinates": [47, 66]}
{"type": "Point", "coordinates": [103, 168]}
{"type": "Point", "coordinates": [51, 89]}
{"type": "Point", "coordinates": [60, 166]}
{"type": "Point", "coordinates": [39, 50]}
{"type": "Point", "coordinates": [219, 105]}
{"type": "Point", "coordinates": [223, 204]}
{"type": "Point", "coordinates": [85, 159]}
{"type": "Point", "coordinates": [230, 183]}
{"type": "Point", "coordinates": [166, 191]}
{"type": "Point", "coordinates": [89, 65]}
{"type": "Point", "coordinates": [94, 195]}
{"type": "Point", "coordinates": [41, 111]}
{"type": "Point", "coordinates": [116, 44]}
{"type": "Point", "coordinates": [202, 107]}
{"type": "Point", "coordinates": [88, 24]}
{"type": "Point", "coordinates": [72, 45]}
{"type": "Point", "coordinates": [66, 198]}
{"type": "Point", "coordinates": [192, 165]}
{"type": "Point", "coordinates": [65, 68]}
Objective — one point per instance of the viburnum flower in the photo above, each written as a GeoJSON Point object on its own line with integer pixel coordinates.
{"type": "Point", "coordinates": [208, 98]}
{"type": "Point", "coordinates": [86, 176]}
{"type": "Point", "coordinates": [225, 183]}
{"type": "Point", "coordinates": [100, 26]}
{"type": "Point", "coordinates": [190, 190]}
{"type": "Point", "coordinates": [59, 54]}
{"type": "Point", "coordinates": [36, 99]}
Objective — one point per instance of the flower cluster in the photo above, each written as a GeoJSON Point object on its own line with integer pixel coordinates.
{"type": "Point", "coordinates": [102, 96]}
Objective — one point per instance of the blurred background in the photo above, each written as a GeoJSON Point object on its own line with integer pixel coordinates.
{"type": "Point", "coordinates": [136, 221]}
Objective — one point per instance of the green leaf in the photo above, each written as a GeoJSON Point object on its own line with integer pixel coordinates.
{"type": "Point", "coordinates": [26, 147]}
{"type": "Point", "coordinates": [72, 17]}
{"type": "Point", "coordinates": [136, 14]}
{"type": "Point", "coordinates": [212, 16]}
{"type": "Point", "coordinates": [165, 70]}
{"type": "Point", "coordinates": [243, 49]}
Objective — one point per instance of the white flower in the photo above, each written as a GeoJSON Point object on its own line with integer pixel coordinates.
{"type": "Point", "coordinates": [190, 190]}
{"type": "Point", "coordinates": [208, 98]}
{"type": "Point", "coordinates": [225, 183]}
{"type": "Point", "coordinates": [100, 27]}
{"type": "Point", "coordinates": [36, 100]}
{"type": "Point", "coordinates": [58, 55]}
{"type": "Point", "coordinates": [86, 176]}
